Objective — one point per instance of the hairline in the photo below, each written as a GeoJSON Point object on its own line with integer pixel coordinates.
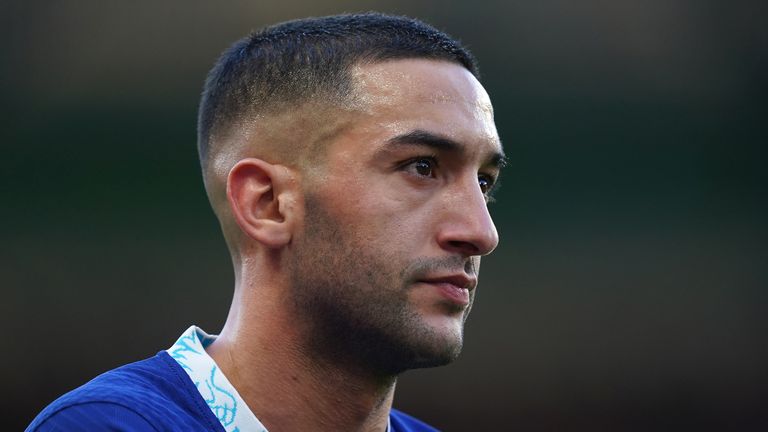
{"type": "Point", "coordinates": [345, 101]}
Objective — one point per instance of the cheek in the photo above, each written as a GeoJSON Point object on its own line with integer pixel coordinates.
{"type": "Point", "coordinates": [388, 224]}
{"type": "Point", "coordinates": [378, 208]}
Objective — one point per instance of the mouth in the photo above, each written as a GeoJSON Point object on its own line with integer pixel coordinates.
{"type": "Point", "coordinates": [454, 288]}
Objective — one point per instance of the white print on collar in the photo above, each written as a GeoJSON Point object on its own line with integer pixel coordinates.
{"type": "Point", "coordinates": [214, 387]}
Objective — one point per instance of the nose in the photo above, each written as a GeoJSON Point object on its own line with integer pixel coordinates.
{"type": "Point", "coordinates": [466, 226]}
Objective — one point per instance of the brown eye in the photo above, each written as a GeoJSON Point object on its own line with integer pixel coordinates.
{"type": "Point", "coordinates": [424, 167]}
{"type": "Point", "coordinates": [485, 184]}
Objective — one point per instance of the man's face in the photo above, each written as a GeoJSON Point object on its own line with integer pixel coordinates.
{"type": "Point", "coordinates": [385, 266]}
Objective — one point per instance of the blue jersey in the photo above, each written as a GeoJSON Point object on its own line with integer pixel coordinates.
{"type": "Point", "coordinates": [155, 394]}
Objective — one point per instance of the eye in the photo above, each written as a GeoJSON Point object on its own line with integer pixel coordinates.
{"type": "Point", "coordinates": [488, 186]}
{"type": "Point", "coordinates": [422, 166]}
{"type": "Point", "coordinates": [485, 182]}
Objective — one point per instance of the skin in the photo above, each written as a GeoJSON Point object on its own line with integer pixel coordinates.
{"type": "Point", "coordinates": [365, 265]}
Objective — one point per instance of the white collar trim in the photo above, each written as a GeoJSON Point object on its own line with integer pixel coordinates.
{"type": "Point", "coordinates": [214, 387]}
{"type": "Point", "coordinates": [220, 395]}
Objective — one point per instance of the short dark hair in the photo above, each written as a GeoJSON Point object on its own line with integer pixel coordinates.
{"type": "Point", "coordinates": [293, 62]}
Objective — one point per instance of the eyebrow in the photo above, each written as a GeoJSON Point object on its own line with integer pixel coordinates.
{"type": "Point", "coordinates": [439, 142]}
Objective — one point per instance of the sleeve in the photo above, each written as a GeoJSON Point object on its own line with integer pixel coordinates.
{"type": "Point", "coordinates": [93, 416]}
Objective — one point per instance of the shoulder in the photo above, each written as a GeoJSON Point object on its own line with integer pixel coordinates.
{"type": "Point", "coordinates": [144, 396]}
{"type": "Point", "coordinates": [402, 422]}
{"type": "Point", "coordinates": [92, 416]}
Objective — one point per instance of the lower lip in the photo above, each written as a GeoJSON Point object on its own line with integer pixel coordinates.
{"type": "Point", "coordinates": [454, 293]}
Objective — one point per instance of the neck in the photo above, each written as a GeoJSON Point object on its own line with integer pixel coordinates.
{"type": "Point", "coordinates": [285, 385]}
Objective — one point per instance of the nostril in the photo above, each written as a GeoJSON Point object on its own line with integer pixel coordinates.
{"type": "Point", "coordinates": [465, 247]}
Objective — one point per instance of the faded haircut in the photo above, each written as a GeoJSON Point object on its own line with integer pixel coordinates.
{"type": "Point", "coordinates": [292, 63]}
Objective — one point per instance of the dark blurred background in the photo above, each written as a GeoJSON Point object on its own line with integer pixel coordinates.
{"type": "Point", "coordinates": [629, 289]}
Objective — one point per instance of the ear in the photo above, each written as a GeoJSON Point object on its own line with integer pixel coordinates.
{"type": "Point", "coordinates": [261, 195]}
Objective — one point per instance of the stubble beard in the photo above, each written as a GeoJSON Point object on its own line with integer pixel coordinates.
{"type": "Point", "coordinates": [353, 303]}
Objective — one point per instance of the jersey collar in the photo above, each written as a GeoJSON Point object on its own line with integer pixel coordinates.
{"type": "Point", "coordinates": [220, 395]}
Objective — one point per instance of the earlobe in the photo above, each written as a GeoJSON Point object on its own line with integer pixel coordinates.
{"type": "Point", "coordinates": [257, 192]}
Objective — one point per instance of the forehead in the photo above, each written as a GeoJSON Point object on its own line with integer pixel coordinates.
{"type": "Point", "coordinates": [431, 80]}
{"type": "Point", "coordinates": [395, 97]}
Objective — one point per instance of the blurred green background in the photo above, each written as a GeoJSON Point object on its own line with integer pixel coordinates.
{"type": "Point", "coordinates": [629, 289]}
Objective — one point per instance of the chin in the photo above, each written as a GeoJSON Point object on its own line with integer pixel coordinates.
{"type": "Point", "coordinates": [438, 344]}
{"type": "Point", "coordinates": [436, 356]}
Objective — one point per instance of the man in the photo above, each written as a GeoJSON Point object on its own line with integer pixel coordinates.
{"type": "Point", "coordinates": [349, 160]}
